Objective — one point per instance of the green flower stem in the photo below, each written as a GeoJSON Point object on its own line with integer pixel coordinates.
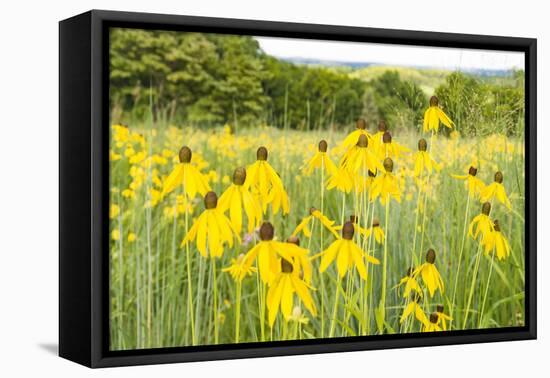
{"type": "Point", "coordinates": [237, 310]}
{"type": "Point", "coordinates": [465, 232]}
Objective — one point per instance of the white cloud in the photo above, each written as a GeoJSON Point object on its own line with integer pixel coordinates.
{"type": "Point", "coordinates": [437, 57]}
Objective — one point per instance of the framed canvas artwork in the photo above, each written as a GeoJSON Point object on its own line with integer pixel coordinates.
{"type": "Point", "coordinates": [234, 188]}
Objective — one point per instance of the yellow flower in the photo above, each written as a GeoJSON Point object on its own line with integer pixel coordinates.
{"type": "Point", "coordinates": [263, 180]}
{"type": "Point", "coordinates": [442, 317]}
{"type": "Point", "coordinates": [120, 134]}
{"type": "Point", "coordinates": [267, 252]}
{"type": "Point", "coordinates": [113, 156]}
{"type": "Point", "coordinates": [238, 270]}
{"type": "Point", "coordinates": [298, 317]}
{"type": "Point", "coordinates": [128, 193]}
{"type": "Point", "coordinates": [389, 148]}
{"type": "Point", "coordinates": [115, 234]}
{"type": "Point", "coordinates": [320, 160]}
{"type": "Point", "coordinates": [423, 161]}
{"type": "Point", "coordinates": [434, 115]}
{"type": "Point", "coordinates": [155, 197]}
{"type": "Point", "coordinates": [413, 307]}
{"type": "Point", "coordinates": [360, 158]}
{"type": "Point", "coordinates": [347, 254]}
{"type": "Point", "coordinates": [353, 137]}
{"type": "Point", "coordinates": [497, 241]}
{"type": "Point", "coordinates": [281, 292]}
{"type": "Point", "coordinates": [433, 324]}
{"type": "Point", "coordinates": [376, 230]}
{"type": "Point", "coordinates": [137, 158]}
{"type": "Point", "coordinates": [386, 185]}
{"type": "Point", "coordinates": [341, 180]}
{"type": "Point", "coordinates": [482, 223]}
{"type": "Point", "coordinates": [410, 284]}
{"type": "Point", "coordinates": [129, 152]}
{"type": "Point", "coordinates": [213, 176]}
{"type": "Point", "coordinates": [186, 174]}
{"type": "Point", "coordinates": [236, 198]}
{"type": "Point", "coordinates": [496, 189]}
{"type": "Point", "coordinates": [430, 274]}
{"type": "Point", "coordinates": [213, 227]}
{"type": "Point", "coordinates": [475, 185]}
{"type": "Point", "coordinates": [114, 211]}
{"type": "Point", "coordinates": [131, 237]}
{"type": "Point", "coordinates": [314, 213]}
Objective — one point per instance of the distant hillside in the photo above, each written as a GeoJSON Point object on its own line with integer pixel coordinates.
{"type": "Point", "coordinates": [426, 78]}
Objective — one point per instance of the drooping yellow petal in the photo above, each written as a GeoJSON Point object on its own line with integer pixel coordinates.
{"type": "Point", "coordinates": [329, 255]}
{"type": "Point", "coordinates": [444, 118]}
{"type": "Point", "coordinates": [274, 295]}
{"type": "Point", "coordinates": [287, 296]}
{"type": "Point", "coordinates": [357, 256]}
{"type": "Point", "coordinates": [342, 261]}
{"type": "Point", "coordinates": [174, 179]}
{"type": "Point", "coordinates": [303, 293]}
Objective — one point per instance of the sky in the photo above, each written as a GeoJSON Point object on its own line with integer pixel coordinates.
{"type": "Point", "coordinates": [386, 54]}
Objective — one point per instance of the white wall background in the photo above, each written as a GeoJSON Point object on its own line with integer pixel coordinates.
{"type": "Point", "coordinates": [29, 186]}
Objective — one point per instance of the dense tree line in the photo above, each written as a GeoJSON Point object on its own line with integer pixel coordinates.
{"type": "Point", "coordinates": [210, 79]}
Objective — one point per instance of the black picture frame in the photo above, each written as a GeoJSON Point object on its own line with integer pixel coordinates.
{"type": "Point", "coordinates": [84, 198]}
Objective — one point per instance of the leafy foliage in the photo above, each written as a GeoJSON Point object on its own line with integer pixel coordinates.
{"type": "Point", "coordinates": [211, 79]}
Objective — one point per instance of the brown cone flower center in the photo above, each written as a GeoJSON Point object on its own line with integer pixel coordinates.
{"type": "Point", "coordinates": [434, 101]}
{"type": "Point", "coordinates": [185, 154]}
{"type": "Point", "coordinates": [261, 153]}
{"type": "Point", "coordinates": [293, 240]}
{"type": "Point", "coordinates": [434, 318]}
{"type": "Point", "coordinates": [440, 308]}
{"type": "Point", "coordinates": [472, 171]}
{"type": "Point", "coordinates": [388, 164]}
{"type": "Point", "coordinates": [497, 225]}
{"type": "Point", "coordinates": [210, 200]}
{"type": "Point", "coordinates": [386, 137]}
{"type": "Point", "coordinates": [499, 177]}
{"type": "Point", "coordinates": [382, 126]}
{"type": "Point", "coordinates": [422, 145]}
{"type": "Point", "coordinates": [323, 146]}
{"type": "Point", "coordinates": [286, 266]}
{"type": "Point", "coordinates": [361, 124]}
{"type": "Point", "coordinates": [375, 222]}
{"type": "Point", "coordinates": [266, 231]}
{"type": "Point", "coordinates": [430, 256]}
{"type": "Point", "coordinates": [348, 230]}
{"type": "Point", "coordinates": [362, 141]}
{"type": "Point", "coordinates": [486, 208]}
{"type": "Point", "coordinates": [312, 210]}
{"type": "Point", "coordinates": [239, 176]}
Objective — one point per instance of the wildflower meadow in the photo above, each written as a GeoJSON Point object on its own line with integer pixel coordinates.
{"type": "Point", "coordinates": [240, 232]}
